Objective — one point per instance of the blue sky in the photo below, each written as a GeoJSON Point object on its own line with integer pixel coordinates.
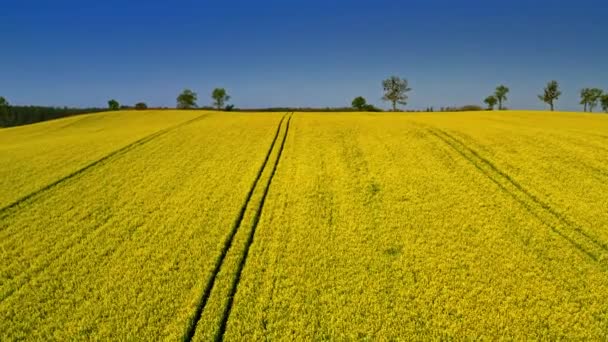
{"type": "Point", "coordinates": [299, 53]}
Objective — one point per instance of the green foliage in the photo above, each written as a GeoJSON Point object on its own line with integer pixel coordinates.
{"type": "Point", "coordinates": [141, 105]}
{"type": "Point", "coordinates": [551, 94]}
{"type": "Point", "coordinates": [113, 105]}
{"type": "Point", "coordinates": [501, 95]}
{"type": "Point", "coordinates": [23, 115]}
{"type": "Point", "coordinates": [220, 97]}
{"type": "Point", "coordinates": [395, 91]}
{"type": "Point", "coordinates": [371, 108]}
{"type": "Point", "coordinates": [5, 116]}
{"type": "Point", "coordinates": [604, 102]}
{"type": "Point", "coordinates": [490, 101]}
{"type": "Point", "coordinates": [585, 97]}
{"type": "Point", "coordinates": [595, 94]}
{"type": "Point", "coordinates": [187, 99]}
{"type": "Point", "coordinates": [359, 103]}
{"type": "Point", "coordinates": [470, 108]}
{"type": "Point", "coordinates": [590, 98]}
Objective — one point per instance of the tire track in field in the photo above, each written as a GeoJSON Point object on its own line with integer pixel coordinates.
{"type": "Point", "coordinates": [4, 210]}
{"type": "Point", "coordinates": [558, 223]}
{"type": "Point", "coordinates": [191, 328]}
{"type": "Point", "coordinates": [256, 220]}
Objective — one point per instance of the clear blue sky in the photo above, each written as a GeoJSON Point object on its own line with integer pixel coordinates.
{"type": "Point", "coordinates": [299, 53]}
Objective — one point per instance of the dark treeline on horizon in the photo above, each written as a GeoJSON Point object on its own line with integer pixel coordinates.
{"type": "Point", "coordinates": [25, 115]}
{"type": "Point", "coordinates": [395, 90]}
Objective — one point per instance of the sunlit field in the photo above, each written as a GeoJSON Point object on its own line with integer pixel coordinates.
{"type": "Point", "coordinates": [200, 225]}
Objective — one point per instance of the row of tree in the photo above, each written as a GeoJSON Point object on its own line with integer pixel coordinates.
{"type": "Point", "coordinates": [590, 97]}
{"type": "Point", "coordinates": [396, 89]}
{"type": "Point", "coordinates": [187, 100]}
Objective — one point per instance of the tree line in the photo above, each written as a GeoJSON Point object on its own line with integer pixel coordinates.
{"type": "Point", "coordinates": [187, 100]}
{"type": "Point", "coordinates": [395, 91]}
{"type": "Point", "coordinates": [24, 115]}
{"type": "Point", "coordinates": [590, 97]}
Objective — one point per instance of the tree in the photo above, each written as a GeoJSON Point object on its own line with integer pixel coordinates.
{"type": "Point", "coordinates": [219, 97]}
{"type": "Point", "coordinates": [187, 99]}
{"type": "Point", "coordinates": [141, 105]}
{"type": "Point", "coordinates": [4, 112]}
{"type": "Point", "coordinates": [595, 95]}
{"type": "Point", "coordinates": [395, 91]}
{"type": "Point", "coordinates": [490, 101]}
{"type": "Point", "coordinates": [551, 93]}
{"type": "Point", "coordinates": [359, 103]}
{"type": "Point", "coordinates": [585, 98]}
{"type": "Point", "coordinates": [501, 95]}
{"type": "Point", "coordinates": [590, 98]}
{"type": "Point", "coordinates": [113, 105]}
{"type": "Point", "coordinates": [604, 101]}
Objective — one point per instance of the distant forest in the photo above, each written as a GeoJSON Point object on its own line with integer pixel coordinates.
{"type": "Point", "coordinates": [24, 115]}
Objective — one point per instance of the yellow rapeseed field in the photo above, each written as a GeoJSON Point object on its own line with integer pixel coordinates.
{"type": "Point", "coordinates": [305, 226]}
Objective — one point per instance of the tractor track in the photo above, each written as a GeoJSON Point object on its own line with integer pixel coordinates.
{"type": "Point", "coordinates": [558, 223]}
{"type": "Point", "coordinates": [193, 322]}
{"type": "Point", "coordinates": [4, 211]}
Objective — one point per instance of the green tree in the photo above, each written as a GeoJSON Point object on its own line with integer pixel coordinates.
{"type": "Point", "coordinates": [501, 95]}
{"type": "Point", "coordinates": [551, 94]}
{"type": "Point", "coordinates": [219, 96]}
{"type": "Point", "coordinates": [141, 105]}
{"type": "Point", "coordinates": [4, 112]}
{"type": "Point", "coordinates": [187, 99]}
{"type": "Point", "coordinates": [585, 97]}
{"type": "Point", "coordinates": [359, 103]}
{"type": "Point", "coordinates": [595, 95]}
{"type": "Point", "coordinates": [604, 102]}
{"type": "Point", "coordinates": [113, 105]}
{"type": "Point", "coordinates": [490, 101]}
{"type": "Point", "coordinates": [395, 91]}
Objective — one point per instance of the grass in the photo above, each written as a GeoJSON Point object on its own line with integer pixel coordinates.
{"type": "Point", "coordinates": [307, 226]}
